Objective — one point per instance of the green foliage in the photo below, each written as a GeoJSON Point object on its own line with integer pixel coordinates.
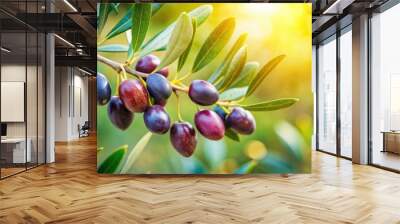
{"type": "Point", "coordinates": [114, 7]}
{"type": "Point", "coordinates": [234, 68]}
{"type": "Point", "coordinates": [233, 93]}
{"type": "Point", "coordinates": [292, 140]}
{"type": "Point", "coordinates": [214, 152]}
{"type": "Point", "coordinates": [183, 57]}
{"type": "Point", "coordinates": [112, 163]}
{"type": "Point", "coordinates": [135, 152]}
{"type": "Point", "coordinates": [271, 105]}
{"type": "Point", "coordinates": [214, 44]}
{"type": "Point", "coordinates": [102, 14]}
{"type": "Point", "coordinates": [247, 167]}
{"type": "Point", "coordinates": [235, 78]}
{"type": "Point", "coordinates": [126, 22]}
{"type": "Point", "coordinates": [179, 41]}
{"type": "Point", "coordinates": [275, 164]}
{"type": "Point", "coordinates": [247, 74]}
{"type": "Point", "coordinates": [220, 72]}
{"type": "Point", "coordinates": [263, 73]}
{"type": "Point", "coordinates": [113, 48]}
{"type": "Point", "coordinates": [232, 135]}
{"type": "Point", "coordinates": [140, 25]}
{"type": "Point", "coordinates": [160, 40]}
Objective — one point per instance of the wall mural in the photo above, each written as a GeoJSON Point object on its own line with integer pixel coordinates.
{"type": "Point", "coordinates": [189, 88]}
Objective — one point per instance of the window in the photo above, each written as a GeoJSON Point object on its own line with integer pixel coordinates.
{"type": "Point", "coordinates": [385, 89]}
{"type": "Point", "coordinates": [327, 96]}
{"type": "Point", "coordinates": [22, 95]}
{"type": "Point", "coordinates": [346, 93]}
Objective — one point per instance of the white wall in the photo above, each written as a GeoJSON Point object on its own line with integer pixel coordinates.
{"type": "Point", "coordinates": [71, 102]}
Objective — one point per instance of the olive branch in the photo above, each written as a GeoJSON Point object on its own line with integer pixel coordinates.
{"type": "Point", "coordinates": [231, 83]}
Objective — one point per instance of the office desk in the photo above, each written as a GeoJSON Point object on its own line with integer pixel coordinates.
{"type": "Point", "coordinates": [391, 141]}
{"type": "Point", "coordinates": [19, 155]}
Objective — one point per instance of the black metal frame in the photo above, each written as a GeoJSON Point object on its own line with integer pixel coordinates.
{"type": "Point", "coordinates": [338, 153]}
{"type": "Point", "coordinates": [44, 80]}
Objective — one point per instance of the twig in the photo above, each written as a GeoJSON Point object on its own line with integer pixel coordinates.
{"type": "Point", "coordinates": [118, 67]}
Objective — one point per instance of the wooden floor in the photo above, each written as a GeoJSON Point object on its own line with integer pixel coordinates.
{"type": "Point", "coordinates": [70, 191]}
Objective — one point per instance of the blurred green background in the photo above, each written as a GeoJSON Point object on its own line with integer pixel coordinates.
{"type": "Point", "coordinates": [282, 141]}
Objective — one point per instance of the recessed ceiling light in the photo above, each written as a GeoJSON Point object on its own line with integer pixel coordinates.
{"type": "Point", "coordinates": [70, 5]}
{"type": "Point", "coordinates": [5, 50]}
{"type": "Point", "coordinates": [337, 7]}
{"type": "Point", "coordinates": [86, 72]}
{"type": "Point", "coordinates": [65, 41]}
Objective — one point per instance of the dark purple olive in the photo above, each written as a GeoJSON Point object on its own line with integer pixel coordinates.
{"type": "Point", "coordinates": [164, 72]}
{"type": "Point", "coordinates": [209, 124]}
{"type": "Point", "coordinates": [158, 87]}
{"type": "Point", "coordinates": [183, 138]}
{"type": "Point", "coordinates": [221, 112]}
{"type": "Point", "coordinates": [118, 114]}
{"type": "Point", "coordinates": [241, 120]}
{"type": "Point", "coordinates": [147, 64]}
{"type": "Point", "coordinates": [134, 95]}
{"type": "Point", "coordinates": [157, 119]}
{"type": "Point", "coordinates": [103, 89]}
{"type": "Point", "coordinates": [203, 93]}
{"type": "Point", "coordinates": [160, 102]}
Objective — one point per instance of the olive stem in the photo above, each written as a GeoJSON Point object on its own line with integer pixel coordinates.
{"type": "Point", "coordinates": [116, 92]}
{"type": "Point", "coordinates": [178, 107]}
{"type": "Point", "coordinates": [184, 77]}
{"type": "Point", "coordinates": [117, 67]}
{"type": "Point", "coordinates": [124, 72]}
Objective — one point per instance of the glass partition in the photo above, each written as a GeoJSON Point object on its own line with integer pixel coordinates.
{"type": "Point", "coordinates": [13, 94]}
{"type": "Point", "coordinates": [22, 95]}
{"type": "Point", "coordinates": [385, 89]}
{"type": "Point", "coordinates": [346, 93]}
{"type": "Point", "coordinates": [327, 96]}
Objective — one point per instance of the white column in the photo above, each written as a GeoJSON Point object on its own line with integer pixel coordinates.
{"type": "Point", "coordinates": [360, 90]}
{"type": "Point", "coordinates": [50, 100]}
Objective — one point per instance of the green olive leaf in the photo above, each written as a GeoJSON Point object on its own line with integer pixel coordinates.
{"type": "Point", "coordinates": [140, 24]}
{"type": "Point", "coordinates": [115, 7]}
{"type": "Point", "coordinates": [276, 164]}
{"type": "Point", "coordinates": [247, 74]}
{"type": "Point", "coordinates": [126, 22]}
{"type": "Point", "coordinates": [179, 41]}
{"type": "Point", "coordinates": [263, 73]}
{"type": "Point", "coordinates": [233, 93]}
{"type": "Point", "coordinates": [113, 48]}
{"type": "Point", "coordinates": [135, 152]}
{"type": "Point", "coordinates": [234, 68]}
{"type": "Point", "coordinates": [232, 135]}
{"type": "Point", "coordinates": [271, 105]}
{"type": "Point", "coordinates": [292, 140]}
{"type": "Point", "coordinates": [247, 167]}
{"type": "Point", "coordinates": [102, 14]}
{"type": "Point", "coordinates": [214, 44]}
{"type": "Point", "coordinates": [183, 57]}
{"type": "Point", "coordinates": [219, 73]}
{"type": "Point", "coordinates": [113, 161]}
{"type": "Point", "coordinates": [160, 40]}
